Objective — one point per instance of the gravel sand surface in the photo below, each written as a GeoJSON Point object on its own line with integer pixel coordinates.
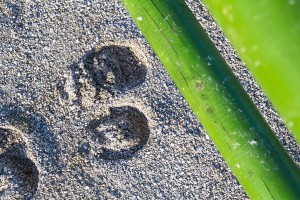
{"type": "Point", "coordinates": [87, 111]}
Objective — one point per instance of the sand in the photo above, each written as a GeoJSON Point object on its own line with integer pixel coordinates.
{"type": "Point", "coordinates": [87, 111]}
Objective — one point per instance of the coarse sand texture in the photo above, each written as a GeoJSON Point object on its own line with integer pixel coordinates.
{"type": "Point", "coordinates": [87, 111]}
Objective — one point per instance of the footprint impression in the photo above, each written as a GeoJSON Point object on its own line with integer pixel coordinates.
{"type": "Point", "coordinates": [99, 75]}
{"type": "Point", "coordinates": [18, 174]}
{"type": "Point", "coordinates": [110, 69]}
{"type": "Point", "coordinates": [35, 126]}
{"type": "Point", "coordinates": [120, 133]}
{"type": "Point", "coordinates": [27, 132]}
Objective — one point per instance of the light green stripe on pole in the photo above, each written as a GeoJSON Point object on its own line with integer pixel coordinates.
{"type": "Point", "coordinates": [266, 34]}
{"type": "Point", "coordinates": [240, 133]}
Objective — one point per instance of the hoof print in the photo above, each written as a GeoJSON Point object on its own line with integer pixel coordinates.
{"type": "Point", "coordinates": [115, 68]}
{"type": "Point", "coordinates": [18, 174]}
{"type": "Point", "coordinates": [19, 177]}
{"type": "Point", "coordinates": [102, 73]}
{"type": "Point", "coordinates": [121, 133]}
